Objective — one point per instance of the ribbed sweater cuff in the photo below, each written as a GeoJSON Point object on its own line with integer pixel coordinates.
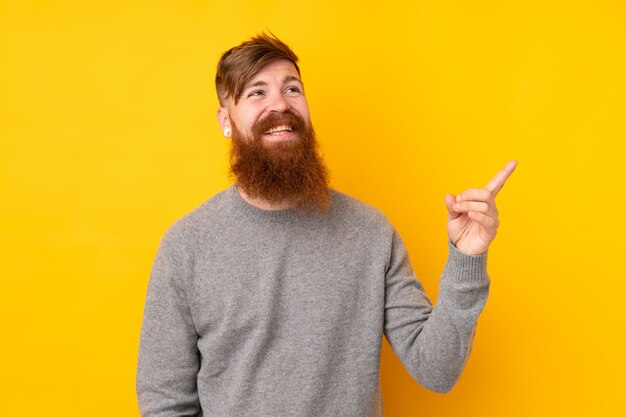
{"type": "Point", "coordinates": [462, 267]}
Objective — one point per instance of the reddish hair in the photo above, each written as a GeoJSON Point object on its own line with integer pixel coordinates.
{"type": "Point", "coordinates": [240, 63]}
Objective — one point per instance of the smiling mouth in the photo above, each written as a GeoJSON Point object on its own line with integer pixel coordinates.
{"type": "Point", "coordinates": [279, 130]}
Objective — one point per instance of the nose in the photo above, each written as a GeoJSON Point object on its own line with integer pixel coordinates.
{"type": "Point", "coordinates": [279, 103]}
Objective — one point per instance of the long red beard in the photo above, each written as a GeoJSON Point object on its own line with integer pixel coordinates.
{"type": "Point", "coordinates": [291, 171]}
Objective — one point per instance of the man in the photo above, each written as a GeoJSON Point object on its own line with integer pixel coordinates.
{"type": "Point", "coordinates": [271, 298]}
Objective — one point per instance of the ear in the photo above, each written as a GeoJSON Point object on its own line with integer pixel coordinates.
{"type": "Point", "coordinates": [223, 119]}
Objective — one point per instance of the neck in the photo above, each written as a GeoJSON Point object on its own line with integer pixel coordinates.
{"type": "Point", "coordinates": [264, 204]}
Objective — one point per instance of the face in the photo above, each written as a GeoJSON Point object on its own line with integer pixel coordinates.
{"type": "Point", "coordinates": [274, 90]}
{"type": "Point", "coordinates": [273, 149]}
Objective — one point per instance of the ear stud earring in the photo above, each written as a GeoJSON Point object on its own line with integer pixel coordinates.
{"type": "Point", "coordinates": [227, 132]}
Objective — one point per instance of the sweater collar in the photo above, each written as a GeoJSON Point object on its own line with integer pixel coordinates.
{"type": "Point", "coordinates": [254, 212]}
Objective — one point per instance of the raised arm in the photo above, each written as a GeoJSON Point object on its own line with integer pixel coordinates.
{"type": "Point", "coordinates": [434, 343]}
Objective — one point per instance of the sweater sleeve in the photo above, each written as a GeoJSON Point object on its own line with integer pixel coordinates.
{"type": "Point", "coordinates": [434, 343]}
{"type": "Point", "coordinates": [168, 355]}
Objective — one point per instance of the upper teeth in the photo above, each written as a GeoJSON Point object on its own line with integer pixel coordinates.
{"type": "Point", "coordinates": [278, 129]}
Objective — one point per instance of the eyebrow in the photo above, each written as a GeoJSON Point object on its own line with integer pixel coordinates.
{"type": "Point", "coordinates": [287, 79]}
{"type": "Point", "coordinates": [291, 78]}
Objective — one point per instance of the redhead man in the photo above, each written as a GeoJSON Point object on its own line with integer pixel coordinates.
{"type": "Point", "coordinates": [272, 297]}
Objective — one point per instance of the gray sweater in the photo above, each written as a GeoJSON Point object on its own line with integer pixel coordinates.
{"type": "Point", "coordinates": [277, 313]}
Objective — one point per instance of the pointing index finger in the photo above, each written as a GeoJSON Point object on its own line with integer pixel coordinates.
{"type": "Point", "coordinates": [498, 181]}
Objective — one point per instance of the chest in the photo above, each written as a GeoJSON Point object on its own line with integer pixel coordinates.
{"type": "Point", "coordinates": [285, 279]}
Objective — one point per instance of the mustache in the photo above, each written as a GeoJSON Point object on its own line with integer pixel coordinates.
{"type": "Point", "coordinates": [287, 118]}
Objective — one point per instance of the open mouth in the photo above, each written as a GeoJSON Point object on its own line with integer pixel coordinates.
{"type": "Point", "coordinates": [279, 130]}
{"type": "Point", "coordinates": [279, 127]}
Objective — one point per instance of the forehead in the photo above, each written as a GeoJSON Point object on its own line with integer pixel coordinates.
{"type": "Point", "coordinates": [280, 70]}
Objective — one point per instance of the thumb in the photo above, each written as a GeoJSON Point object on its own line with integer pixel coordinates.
{"type": "Point", "coordinates": [450, 200]}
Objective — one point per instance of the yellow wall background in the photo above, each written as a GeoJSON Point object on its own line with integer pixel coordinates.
{"type": "Point", "coordinates": [108, 134]}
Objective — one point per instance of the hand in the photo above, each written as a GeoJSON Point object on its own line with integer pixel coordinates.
{"type": "Point", "coordinates": [473, 216]}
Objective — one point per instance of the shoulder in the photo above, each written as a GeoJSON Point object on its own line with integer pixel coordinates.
{"type": "Point", "coordinates": [193, 226]}
{"type": "Point", "coordinates": [359, 213]}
